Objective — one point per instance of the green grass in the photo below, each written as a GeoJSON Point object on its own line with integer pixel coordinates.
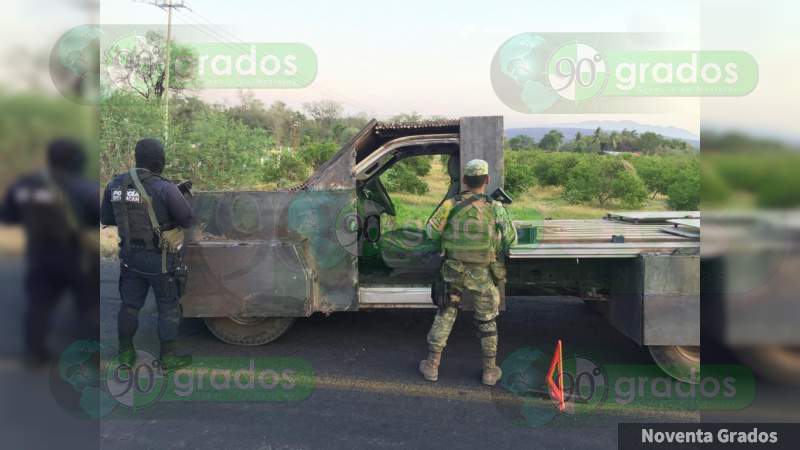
{"type": "Point", "coordinates": [536, 203]}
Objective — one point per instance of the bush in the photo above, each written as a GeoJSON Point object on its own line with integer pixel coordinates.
{"type": "Point", "coordinates": [316, 154]}
{"type": "Point", "coordinates": [284, 168]}
{"type": "Point", "coordinates": [629, 189]}
{"type": "Point", "coordinates": [653, 172]}
{"type": "Point", "coordinates": [124, 119]}
{"type": "Point", "coordinates": [553, 169]}
{"type": "Point", "coordinates": [782, 191]}
{"type": "Point", "coordinates": [28, 121]}
{"type": "Point", "coordinates": [713, 188]}
{"type": "Point", "coordinates": [519, 176]}
{"type": "Point", "coordinates": [684, 193]}
{"type": "Point", "coordinates": [521, 142]}
{"type": "Point", "coordinates": [603, 179]}
{"type": "Point", "coordinates": [404, 177]}
{"type": "Point", "coordinates": [218, 152]}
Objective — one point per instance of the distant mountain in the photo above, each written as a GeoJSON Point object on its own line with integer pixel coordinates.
{"type": "Point", "coordinates": [588, 127]}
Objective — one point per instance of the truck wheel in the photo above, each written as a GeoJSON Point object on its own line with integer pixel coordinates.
{"type": "Point", "coordinates": [774, 363]}
{"type": "Point", "coordinates": [248, 330]}
{"type": "Point", "coordinates": [681, 362]}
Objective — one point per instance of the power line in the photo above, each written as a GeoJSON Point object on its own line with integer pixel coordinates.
{"type": "Point", "coordinates": [168, 5]}
{"type": "Point", "coordinates": [217, 38]}
{"type": "Point", "coordinates": [335, 96]}
{"type": "Point", "coordinates": [231, 41]}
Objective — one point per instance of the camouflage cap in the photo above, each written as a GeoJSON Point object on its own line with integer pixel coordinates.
{"type": "Point", "coordinates": [476, 167]}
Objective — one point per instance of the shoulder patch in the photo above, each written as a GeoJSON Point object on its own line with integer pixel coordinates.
{"type": "Point", "coordinates": [43, 196]}
{"type": "Point", "coordinates": [22, 195]}
{"type": "Point", "coordinates": [132, 196]}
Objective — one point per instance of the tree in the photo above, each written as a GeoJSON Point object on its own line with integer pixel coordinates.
{"type": "Point", "coordinates": [553, 169]}
{"type": "Point", "coordinates": [217, 152]}
{"type": "Point", "coordinates": [601, 179]}
{"type": "Point", "coordinates": [324, 111]}
{"type": "Point", "coordinates": [140, 68]}
{"type": "Point", "coordinates": [684, 193]}
{"type": "Point", "coordinates": [315, 154]}
{"type": "Point", "coordinates": [405, 176]}
{"type": "Point", "coordinates": [598, 138]}
{"type": "Point", "coordinates": [519, 176]}
{"type": "Point", "coordinates": [521, 142]}
{"type": "Point", "coordinates": [713, 189]}
{"type": "Point", "coordinates": [580, 144]}
{"type": "Point", "coordinates": [650, 143]}
{"type": "Point", "coordinates": [124, 118]}
{"type": "Point", "coordinates": [406, 117]}
{"type": "Point", "coordinates": [613, 139]}
{"type": "Point", "coordinates": [326, 119]}
{"type": "Point", "coordinates": [654, 172]}
{"type": "Point", "coordinates": [552, 140]}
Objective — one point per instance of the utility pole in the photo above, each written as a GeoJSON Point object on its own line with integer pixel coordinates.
{"type": "Point", "coordinates": [169, 5]}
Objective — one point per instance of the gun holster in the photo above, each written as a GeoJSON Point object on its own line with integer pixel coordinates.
{"type": "Point", "coordinates": [181, 277]}
{"type": "Point", "coordinates": [439, 291]}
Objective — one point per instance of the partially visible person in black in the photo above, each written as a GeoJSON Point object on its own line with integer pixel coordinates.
{"type": "Point", "coordinates": [59, 209]}
{"type": "Point", "coordinates": [141, 265]}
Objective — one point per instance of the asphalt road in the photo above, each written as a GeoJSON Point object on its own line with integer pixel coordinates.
{"type": "Point", "coordinates": [367, 391]}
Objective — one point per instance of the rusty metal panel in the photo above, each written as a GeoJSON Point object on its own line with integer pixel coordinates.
{"type": "Point", "coordinates": [671, 300]}
{"type": "Point", "coordinates": [656, 299]}
{"type": "Point", "coordinates": [482, 138]}
{"type": "Point", "coordinates": [248, 279]}
{"type": "Point", "coordinates": [627, 288]}
{"type": "Point", "coordinates": [283, 253]}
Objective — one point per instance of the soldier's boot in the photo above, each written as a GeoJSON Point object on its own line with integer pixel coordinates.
{"type": "Point", "coordinates": [171, 359]}
{"type": "Point", "coordinates": [127, 353]}
{"type": "Point", "coordinates": [430, 367]}
{"type": "Point", "coordinates": [491, 373]}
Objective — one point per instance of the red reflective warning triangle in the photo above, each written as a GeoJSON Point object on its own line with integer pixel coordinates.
{"type": "Point", "coordinates": [556, 391]}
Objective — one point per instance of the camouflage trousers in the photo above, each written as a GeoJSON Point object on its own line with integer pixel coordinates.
{"type": "Point", "coordinates": [478, 281]}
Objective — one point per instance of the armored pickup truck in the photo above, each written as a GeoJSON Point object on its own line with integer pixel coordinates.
{"type": "Point", "coordinates": [258, 260]}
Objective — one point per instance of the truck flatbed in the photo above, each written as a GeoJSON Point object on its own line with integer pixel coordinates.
{"type": "Point", "coordinates": [595, 238]}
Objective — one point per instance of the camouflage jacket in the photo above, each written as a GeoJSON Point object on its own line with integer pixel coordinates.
{"type": "Point", "coordinates": [506, 231]}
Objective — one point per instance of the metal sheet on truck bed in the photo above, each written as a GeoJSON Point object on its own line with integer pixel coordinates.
{"type": "Point", "coordinates": [652, 216]}
{"type": "Point", "coordinates": [593, 239]}
{"type": "Point", "coordinates": [690, 223]}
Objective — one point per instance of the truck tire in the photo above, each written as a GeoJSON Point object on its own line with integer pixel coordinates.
{"type": "Point", "coordinates": [678, 361]}
{"type": "Point", "coordinates": [774, 363]}
{"type": "Point", "coordinates": [248, 330]}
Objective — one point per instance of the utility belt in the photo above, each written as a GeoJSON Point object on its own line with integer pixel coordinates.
{"type": "Point", "coordinates": [482, 257]}
{"type": "Point", "coordinates": [174, 277]}
{"type": "Point", "coordinates": [440, 289]}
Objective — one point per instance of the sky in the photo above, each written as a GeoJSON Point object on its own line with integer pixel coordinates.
{"type": "Point", "coordinates": [386, 58]}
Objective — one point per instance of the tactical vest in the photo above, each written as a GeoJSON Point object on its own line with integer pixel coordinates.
{"type": "Point", "coordinates": [47, 216]}
{"type": "Point", "coordinates": [470, 234]}
{"type": "Point", "coordinates": [130, 212]}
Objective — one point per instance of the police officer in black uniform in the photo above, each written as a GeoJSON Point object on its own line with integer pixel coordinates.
{"type": "Point", "coordinates": [143, 262]}
{"type": "Point", "coordinates": [59, 209]}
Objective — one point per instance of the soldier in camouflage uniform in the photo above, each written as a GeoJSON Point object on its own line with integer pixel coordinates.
{"type": "Point", "coordinates": [474, 231]}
